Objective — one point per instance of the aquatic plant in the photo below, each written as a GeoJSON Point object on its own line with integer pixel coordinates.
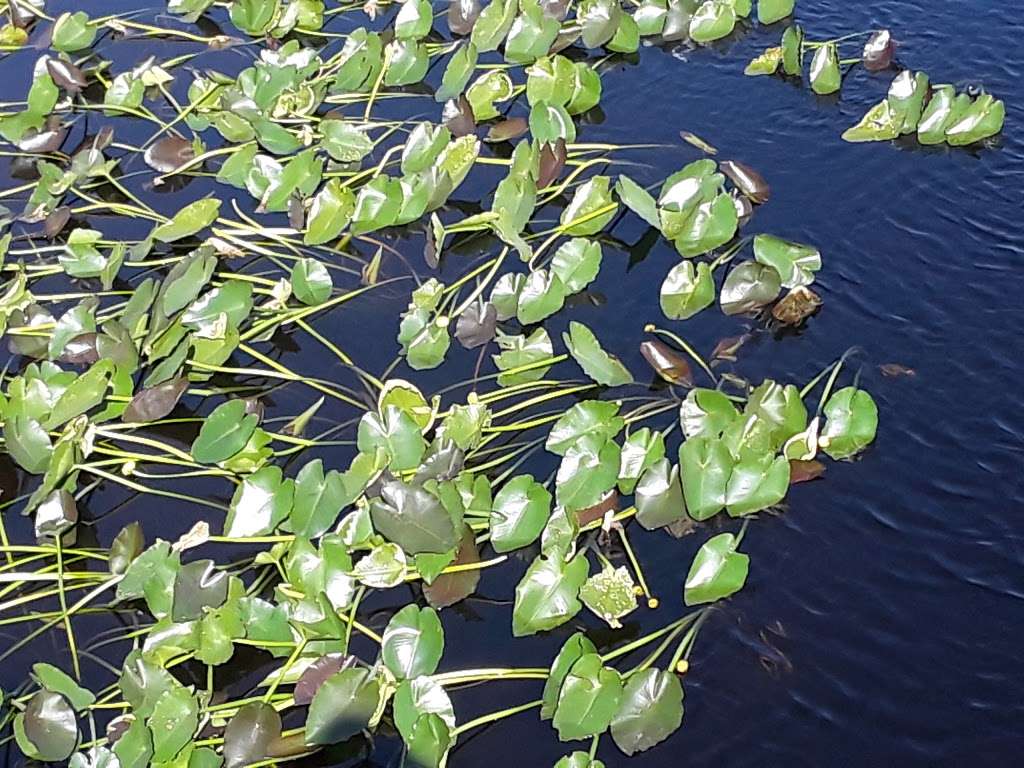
{"type": "Point", "coordinates": [148, 365]}
{"type": "Point", "coordinates": [935, 113]}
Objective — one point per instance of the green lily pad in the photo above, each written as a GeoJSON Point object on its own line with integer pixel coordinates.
{"type": "Point", "coordinates": [717, 572]}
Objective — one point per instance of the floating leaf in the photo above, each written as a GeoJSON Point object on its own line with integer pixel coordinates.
{"type": "Point", "coordinates": [590, 209]}
{"type": "Point", "coordinates": [311, 281]}
{"type": "Point", "coordinates": [749, 286]}
{"type": "Point", "coordinates": [579, 760]}
{"type": "Point", "coordinates": [169, 153]}
{"type": "Point", "coordinates": [155, 403]}
{"type": "Point", "coordinates": [659, 496]}
{"type": "Point", "coordinates": [984, 118]}
{"type": "Point", "coordinates": [415, 519]}
{"type": "Point", "coordinates": [522, 357]}
{"type": "Point", "coordinates": [705, 465]}
{"type": "Point", "coordinates": [588, 471]}
{"type": "Point", "coordinates": [590, 417]}
{"type": "Point", "coordinates": [713, 20]}
{"type": "Point", "coordinates": [520, 512]}
{"type": "Point", "coordinates": [687, 290]}
{"type": "Point", "coordinates": [342, 707]}
{"type": "Point", "coordinates": [667, 363]}
{"type": "Point", "coordinates": [396, 433]}
{"type": "Point", "coordinates": [198, 585]}
{"type": "Point", "coordinates": [191, 219]}
{"type": "Point", "coordinates": [588, 700]}
{"type": "Point", "coordinates": [747, 180]}
{"type": "Point", "coordinates": [596, 363]}
{"type": "Point", "coordinates": [796, 306]}
{"type": "Point", "coordinates": [718, 571]}
{"type": "Point", "coordinates": [73, 32]}
{"type": "Point", "coordinates": [48, 726]}
{"type": "Point", "coordinates": [57, 681]}
{"type": "Point", "coordinates": [640, 451]}
{"type": "Point", "coordinates": [852, 421]}
{"type": "Point", "coordinates": [250, 733]}
{"type": "Point", "coordinates": [224, 433]}
{"type": "Point", "coordinates": [577, 263]}
{"type": "Point", "coordinates": [610, 594]}
{"type": "Point", "coordinates": [825, 75]}
{"type": "Point", "coordinates": [796, 263]}
{"type": "Point", "coordinates": [173, 723]}
{"type": "Point", "coordinates": [767, 63]}
{"type": "Point", "coordinates": [757, 482]}
{"type": "Point", "coordinates": [770, 11]}
{"type": "Point", "coordinates": [577, 646]}
{"type": "Point", "coordinates": [447, 589]}
{"type": "Point", "coordinates": [548, 594]}
{"type": "Point", "coordinates": [413, 642]}
{"type": "Point", "coordinates": [793, 50]}
{"type": "Point", "coordinates": [879, 51]}
{"type": "Point", "coordinates": [261, 502]}
{"type": "Point", "coordinates": [651, 710]}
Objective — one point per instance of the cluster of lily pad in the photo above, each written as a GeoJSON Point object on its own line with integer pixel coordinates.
{"type": "Point", "coordinates": [118, 343]}
{"type": "Point", "coordinates": [935, 112]}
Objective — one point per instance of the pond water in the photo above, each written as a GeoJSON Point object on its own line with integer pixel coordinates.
{"type": "Point", "coordinates": [880, 622]}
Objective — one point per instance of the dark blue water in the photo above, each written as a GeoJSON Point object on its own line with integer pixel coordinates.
{"type": "Point", "coordinates": [881, 621]}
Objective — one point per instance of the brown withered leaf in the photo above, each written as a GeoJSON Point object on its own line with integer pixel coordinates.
{"type": "Point", "coordinates": [552, 161]}
{"type": "Point", "coordinates": [748, 181]}
{"type": "Point", "coordinates": [315, 674]}
{"type": "Point", "coordinates": [47, 140]}
{"type": "Point", "coordinates": [296, 214]}
{"type": "Point", "coordinates": [879, 51]}
{"type": "Point", "coordinates": [476, 325]}
{"type": "Point", "coordinates": [451, 588]}
{"type": "Point", "coordinates": [893, 370]}
{"type": "Point", "coordinates": [458, 117]}
{"type": "Point", "coordinates": [81, 350]}
{"type": "Point", "coordinates": [511, 128]}
{"type": "Point", "coordinates": [727, 348]}
{"type": "Point", "coordinates": [796, 306]}
{"type": "Point", "coordinates": [805, 471]}
{"type": "Point", "coordinates": [462, 15]}
{"type": "Point", "coordinates": [66, 75]}
{"type": "Point", "coordinates": [155, 403]}
{"type": "Point", "coordinates": [555, 9]}
{"type": "Point", "coordinates": [667, 363]}
{"type": "Point", "coordinates": [56, 221]}
{"type": "Point", "coordinates": [610, 503]}
{"type": "Point", "coordinates": [169, 153]}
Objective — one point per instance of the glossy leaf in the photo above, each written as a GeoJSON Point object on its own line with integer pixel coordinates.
{"type": "Point", "coordinates": [659, 496]}
{"type": "Point", "coordinates": [224, 433]}
{"type": "Point", "coordinates": [600, 366]}
{"type": "Point", "coordinates": [520, 512]}
{"type": "Point", "coordinates": [705, 465]}
{"type": "Point", "coordinates": [770, 11]}
{"type": "Point", "coordinates": [588, 700]}
{"type": "Point", "coordinates": [851, 423]}
{"type": "Point", "coordinates": [49, 726]}
{"type": "Point", "coordinates": [651, 710]}
{"type": "Point", "coordinates": [413, 642]}
{"type": "Point", "coordinates": [342, 707]}
{"type": "Point", "coordinates": [687, 290]}
{"type": "Point", "coordinates": [717, 572]}
{"type": "Point", "coordinates": [825, 75]}
{"type": "Point", "coordinates": [548, 594]}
